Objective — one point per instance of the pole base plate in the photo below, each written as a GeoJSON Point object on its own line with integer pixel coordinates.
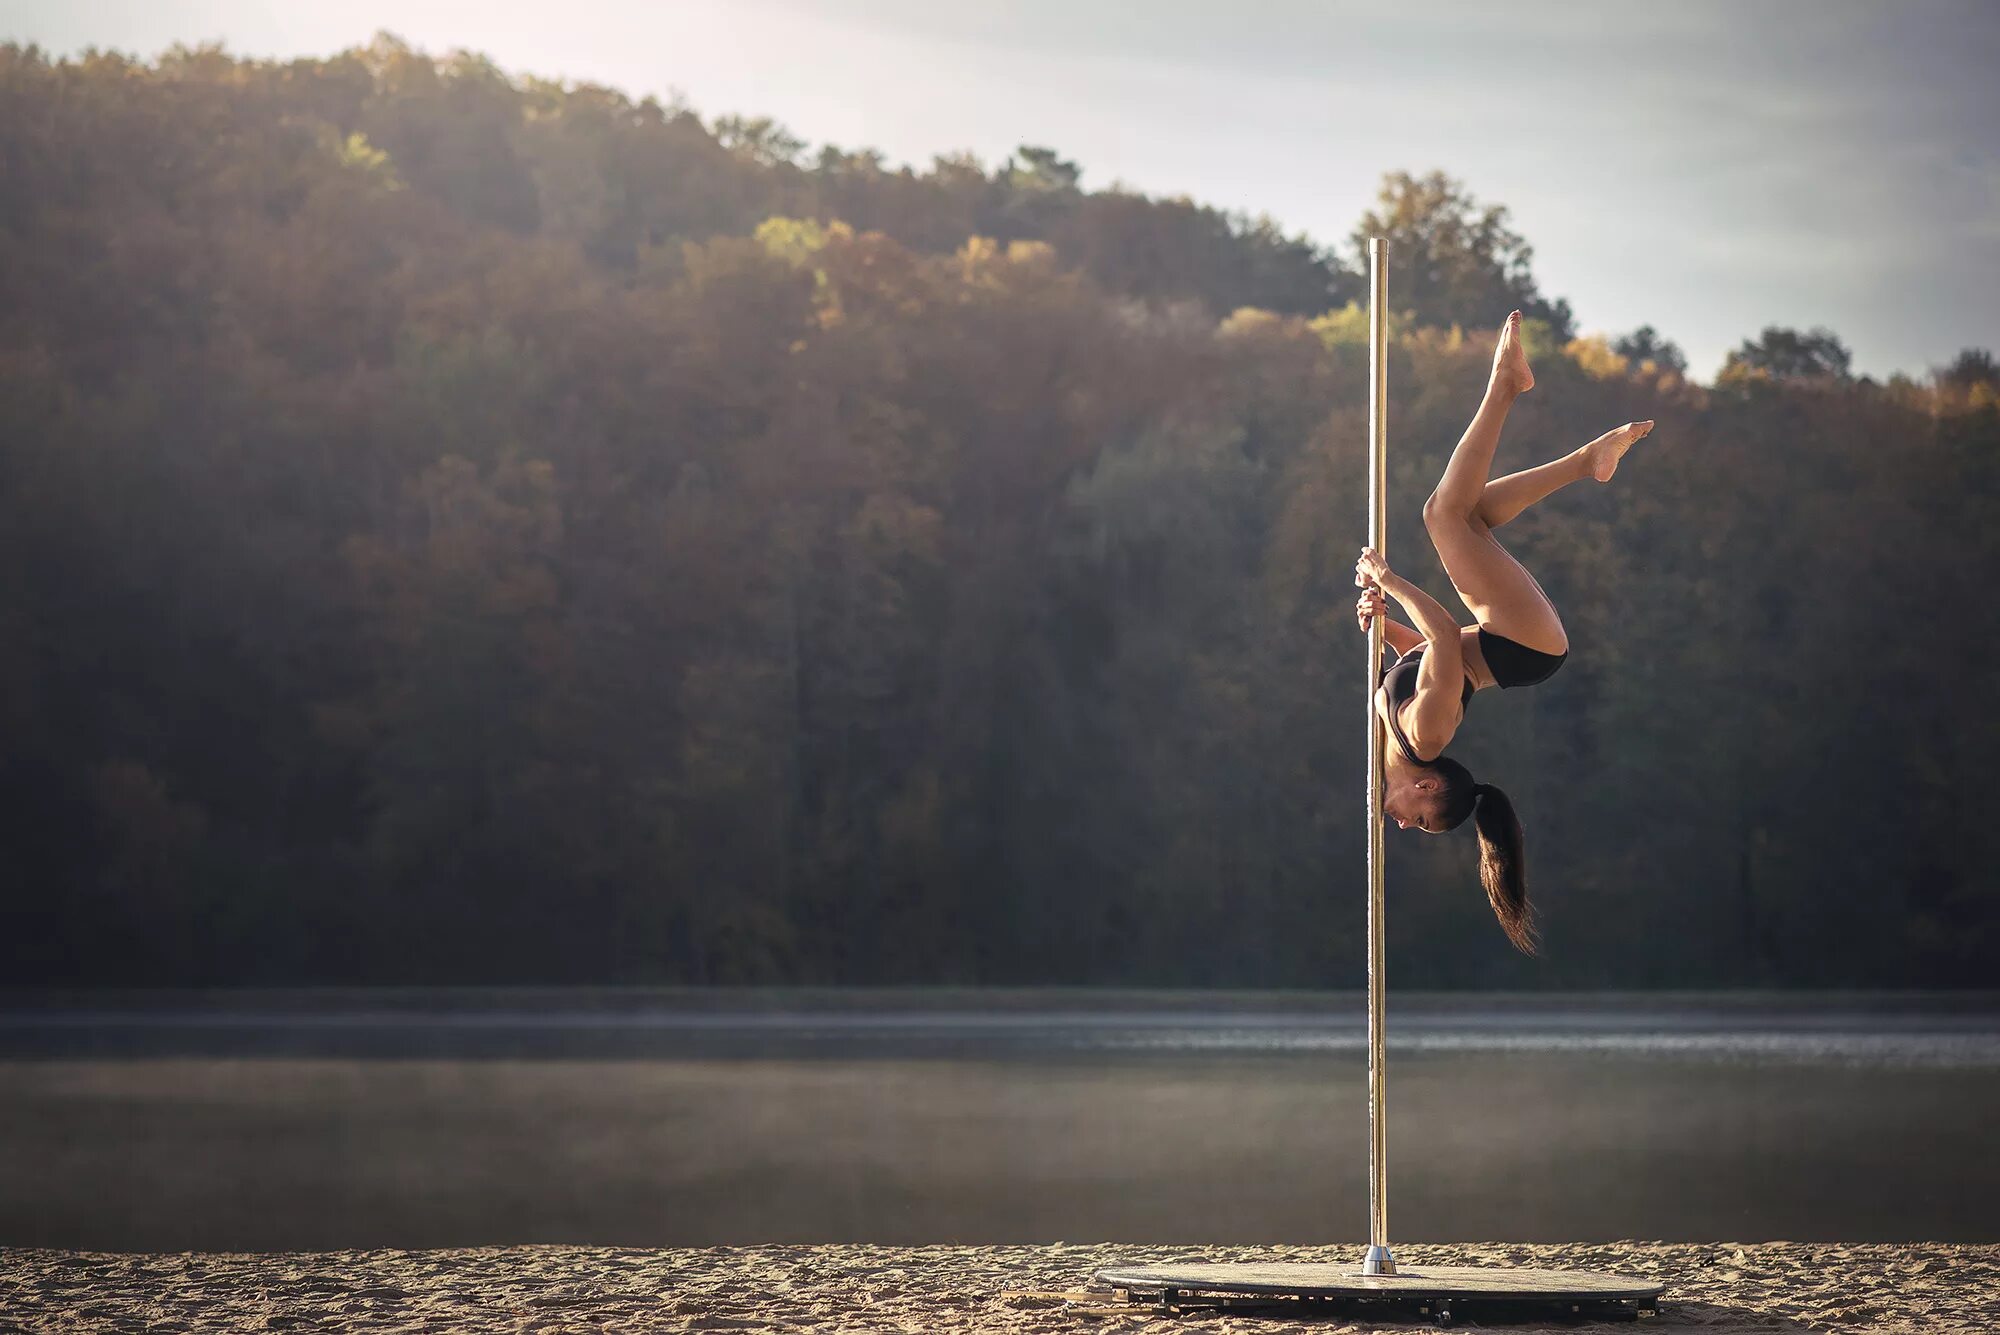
{"type": "Point", "coordinates": [1436, 1291]}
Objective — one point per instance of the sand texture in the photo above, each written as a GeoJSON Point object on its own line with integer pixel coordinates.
{"type": "Point", "coordinates": [1764, 1287]}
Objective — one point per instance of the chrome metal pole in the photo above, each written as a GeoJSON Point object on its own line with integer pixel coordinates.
{"type": "Point", "coordinates": [1378, 1261]}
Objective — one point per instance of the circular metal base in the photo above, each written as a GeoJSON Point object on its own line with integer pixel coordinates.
{"type": "Point", "coordinates": [1433, 1286]}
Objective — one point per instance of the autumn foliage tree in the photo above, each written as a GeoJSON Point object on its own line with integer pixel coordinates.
{"type": "Point", "coordinates": [468, 528]}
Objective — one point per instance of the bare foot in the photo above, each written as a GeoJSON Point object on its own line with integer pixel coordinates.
{"type": "Point", "coordinates": [1510, 362]}
{"type": "Point", "coordinates": [1605, 452]}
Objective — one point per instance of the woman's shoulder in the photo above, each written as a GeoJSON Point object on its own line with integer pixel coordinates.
{"type": "Point", "coordinates": [1410, 723]}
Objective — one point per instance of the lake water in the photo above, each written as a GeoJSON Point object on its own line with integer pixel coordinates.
{"type": "Point", "coordinates": [255, 1121]}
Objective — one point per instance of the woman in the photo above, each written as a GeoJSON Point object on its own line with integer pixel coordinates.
{"type": "Point", "coordinates": [1517, 638]}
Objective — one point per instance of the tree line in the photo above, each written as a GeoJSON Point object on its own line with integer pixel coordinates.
{"type": "Point", "coordinates": [463, 527]}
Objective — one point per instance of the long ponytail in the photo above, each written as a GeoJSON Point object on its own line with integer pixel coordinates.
{"type": "Point", "coordinates": [1503, 866]}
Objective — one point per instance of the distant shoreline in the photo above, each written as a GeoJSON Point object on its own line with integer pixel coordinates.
{"type": "Point", "coordinates": [752, 998]}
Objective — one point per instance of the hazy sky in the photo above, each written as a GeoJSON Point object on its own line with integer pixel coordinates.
{"type": "Point", "coordinates": [1707, 168]}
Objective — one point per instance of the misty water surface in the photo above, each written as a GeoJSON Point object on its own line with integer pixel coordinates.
{"type": "Point", "coordinates": [349, 1118]}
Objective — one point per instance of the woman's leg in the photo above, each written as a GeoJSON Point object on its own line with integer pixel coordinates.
{"type": "Point", "coordinates": [1499, 592]}
{"type": "Point", "coordinates": [1506, 497]}
{"type": "Point", "coordinates": [1465, 473]}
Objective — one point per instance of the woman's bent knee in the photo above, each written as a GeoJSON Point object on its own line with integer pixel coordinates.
{"type": "Point", "coordinates": [1440, 511]}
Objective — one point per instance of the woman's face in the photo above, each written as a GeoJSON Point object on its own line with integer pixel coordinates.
{"type": "Point", "coordinates": [1414, 806]}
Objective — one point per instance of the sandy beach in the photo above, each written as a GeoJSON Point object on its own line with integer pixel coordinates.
{"type": "Point", "coordinates": [1763, 1287]}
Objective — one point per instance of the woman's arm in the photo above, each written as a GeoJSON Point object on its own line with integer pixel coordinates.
{"type": "Point", "coordinates": [1395, 634]}
{"type": "Point", "coordinates": [1437, 707]}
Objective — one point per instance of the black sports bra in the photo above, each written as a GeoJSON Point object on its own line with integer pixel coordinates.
{"type": "Point", "coordinates": [1401, 679]}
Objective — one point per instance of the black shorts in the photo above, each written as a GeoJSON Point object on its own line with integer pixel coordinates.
{"type": "Point", "coordinates": [1515, 664]}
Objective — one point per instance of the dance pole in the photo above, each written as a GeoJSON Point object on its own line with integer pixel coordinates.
{"type": "Point", "coordinates": [1378, 1260]}
{"type": "Point", "coordinates": [1426, 1290]}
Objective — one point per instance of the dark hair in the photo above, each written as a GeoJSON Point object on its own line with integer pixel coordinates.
{"type": "Point", "coordinates": [1503, 865]}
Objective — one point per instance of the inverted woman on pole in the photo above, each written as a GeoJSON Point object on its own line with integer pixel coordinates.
{"type": "Point", "coordinates": [1516, 639]}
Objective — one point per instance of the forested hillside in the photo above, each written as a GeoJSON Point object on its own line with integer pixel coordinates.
{"type": "Point", "coordinates": [465, 528]}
